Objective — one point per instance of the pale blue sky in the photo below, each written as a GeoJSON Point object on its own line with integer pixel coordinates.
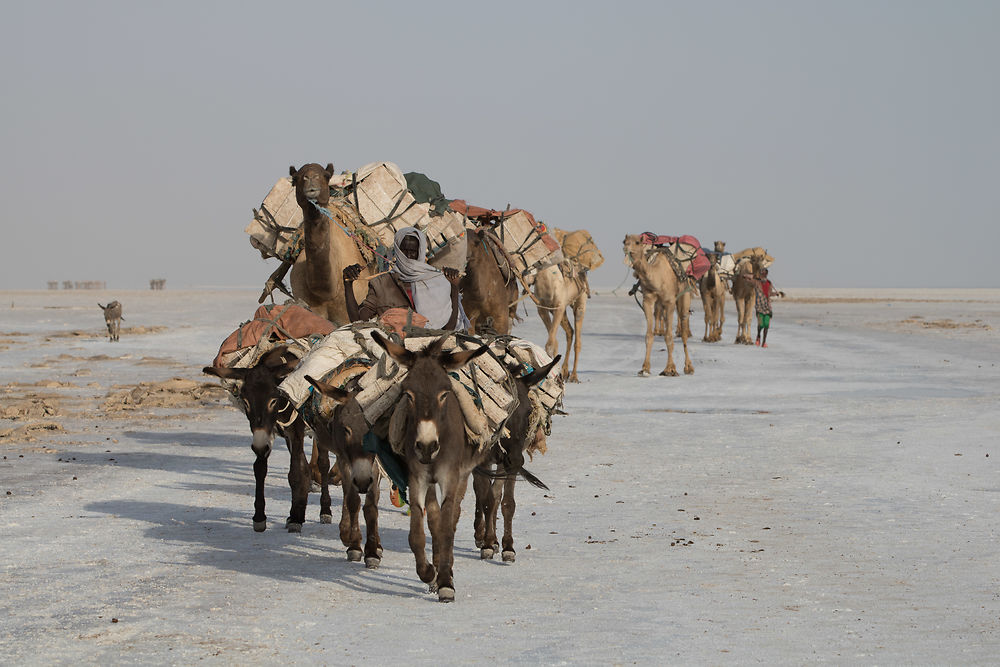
{"type": "Point", "coordinates": [857, 141]}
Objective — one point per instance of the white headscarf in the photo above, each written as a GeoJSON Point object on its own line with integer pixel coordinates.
{"type": "Point", "coordinates": [431, 290]}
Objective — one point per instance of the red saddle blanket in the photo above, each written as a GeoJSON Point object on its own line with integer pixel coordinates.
{"type": "Point", "coordinates": [280, 322]}
{"type": "Point", "coordinates": [687, 249]}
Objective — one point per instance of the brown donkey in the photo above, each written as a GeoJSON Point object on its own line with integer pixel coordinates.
{"type": "Point", "coordinates": [113, 319]}
{"type": "Point", "coordinates": [268, 416]}
{"type": "Point", "coordinates": [493, 481]}
{"type": "Point", "coordinates": [343, 434]}
{"type": "Point", "coordinates": [429, 427]}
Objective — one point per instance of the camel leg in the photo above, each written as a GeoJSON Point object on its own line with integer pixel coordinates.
{"type": "Point", "coordinates": [649, 309]}
{"type": "Point", "coordinates": [552, 344]}
{"type": "Point", "coordinates": [739, 320]}
{"type": "Point", "coordinates": [579, 310]}
{"type": "Point", "coordinates": [685, 316]}
{"type": "Point", "coordinates": [670, 370]}
{"type": "Point", "coordinates": [568, 328]}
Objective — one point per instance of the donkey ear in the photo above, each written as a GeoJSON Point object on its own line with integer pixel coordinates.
{"type": "Point", "coordinates": [226, 373]}
{"type": "Point", "coordinates": [539, 374]}
{"type": "Point", "coordinates": [455, 360]}
{"type": "Point", "coordinates": [399, 354]}
{"type": "Point", "coordinates": [327, 389]}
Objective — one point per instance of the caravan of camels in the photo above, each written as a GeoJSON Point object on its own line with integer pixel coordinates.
{"type": "Point", "coordinates": [396, 348]}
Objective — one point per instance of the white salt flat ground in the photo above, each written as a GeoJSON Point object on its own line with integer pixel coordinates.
{"type": "Point", "coordinates": [832, 499]}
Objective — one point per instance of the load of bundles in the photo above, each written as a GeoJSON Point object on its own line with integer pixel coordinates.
{"type": "Point", "coordinates": [526, 240]}
{"type": "Point", "coordinates": [685, 253]}
{"type": "Point", "coordinates": [350, 359]}
{"type": "Point", "coordinates": [378, 200]}
{"type": "Point", "coordinates": [579, 248]}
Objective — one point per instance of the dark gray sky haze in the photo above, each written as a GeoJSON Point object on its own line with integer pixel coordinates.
{"type": "Point", "coordinates": [857, 141]}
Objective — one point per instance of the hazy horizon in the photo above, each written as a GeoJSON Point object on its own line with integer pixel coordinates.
{"type": "Point", "coordinates": [856, 141]}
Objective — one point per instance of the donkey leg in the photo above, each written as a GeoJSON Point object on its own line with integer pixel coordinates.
{"type": "Point", "coordinates": [350, 532]}
{"type": "Point", "coordinates": [451, 508]}
{"type": "Point", "coordinates": [417, 538]}
{"type": "Point", "coordinates": [509, 505]}
{"type": "Point", "coordinates": [259, 474]}
{"type": "Point", "coordinates": [481, 489]}
{"type": "Point", "coordinates": [490, 544]}
{"type": "Point", "coordinates": [298, 479]}
{"type": "Point", "coordinates": [323, 459]}
{"type": "Point", "coordinates": [373, 544]}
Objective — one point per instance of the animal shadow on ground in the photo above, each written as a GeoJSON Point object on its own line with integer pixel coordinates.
{"type": "Point", "coordinates": [223, 539]}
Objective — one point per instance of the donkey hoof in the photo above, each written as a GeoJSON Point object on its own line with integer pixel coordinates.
{"type": "Point", "coordinates": [260, 526]}
{"type": "Point", "coordinates": [446, 594]}
{"type": "Point", "coordinates": [372, 562]}
{"type": "Point", "coordinates": [508, 556]}
{"type": "Point", "coordinates": [486, 553]}
{"type": "Point", "coordinates": [326, 518]}
{"type": "Point", "coordinates": [293, 527]}
{"type": "Point", "coordinates": [354, 555]}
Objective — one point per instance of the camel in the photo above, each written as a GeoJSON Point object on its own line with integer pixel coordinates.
{"type": "Point", "coordinates": [713, 297]}
{"type": "Point", "coordinates": [318, 279]}
{"type": "Point", "coordinates": [556, 289]}
{"type": "Point", "coordinates": [489, 286]}
{"type": "Point", "coordinates": [660, 286]}
{"type": "Point", "coordinates": [743, 295]}
{"type": "Point", "coordinates": [113, 319]}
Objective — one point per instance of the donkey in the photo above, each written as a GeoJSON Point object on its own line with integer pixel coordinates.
{"type": "Point", "coordinates": [493, 481]}
{"type": "Point", "coordinates": [428, 423]}
{"type": "Point", "coordinates": [113, 319]}
{"type": "Point", "coordinates": [344, 434]}
{"type": "Point", "coordinates": [269, 415]}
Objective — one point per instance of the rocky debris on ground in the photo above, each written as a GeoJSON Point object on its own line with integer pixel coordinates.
{"type": "Point", "coordinates": [169, 393]}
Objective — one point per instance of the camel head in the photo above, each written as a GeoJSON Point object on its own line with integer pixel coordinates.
{"type": "Point", "coordinates": [312, 183]}
{"type": "Point", "coordinates": [720, 247]}
{"type": "Point", "coordinates": [633, 247]}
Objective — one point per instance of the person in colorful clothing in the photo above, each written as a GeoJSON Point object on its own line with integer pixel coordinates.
{"type": "Point", "coordinates": [763, 290]}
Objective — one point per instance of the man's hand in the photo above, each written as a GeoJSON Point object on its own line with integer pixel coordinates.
{"type": "Point", "coordinates": [452, 276]}
{"type": "Point", "coordinates": [352, 273]}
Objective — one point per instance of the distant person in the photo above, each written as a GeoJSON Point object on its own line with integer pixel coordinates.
{"type": "Point", "coordinates": [763, 289]}
{"type": "Point", "coordinates": [412, 284]}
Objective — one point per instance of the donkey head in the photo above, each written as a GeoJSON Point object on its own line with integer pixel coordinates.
{"type": "Point", "coordinates": [264, 407]}
{"type": "Point", "coordinates": [312, 183]}
{"type": "Point", "coordinates": [347, 428]}
{"type": "Point", "coordinates": [431, 410]}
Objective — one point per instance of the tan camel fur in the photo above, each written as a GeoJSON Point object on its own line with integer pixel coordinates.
{"type": "Point", "coordinates": [555, 290]}
{"type": "Point", "coordinates": [318, 280]}
{"type": "Point", "coordinates": [713, 299]}
{"type": "Point", "coordinates": [659, 287]}
{"type": "Point", "coordinates": [743, 295]}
